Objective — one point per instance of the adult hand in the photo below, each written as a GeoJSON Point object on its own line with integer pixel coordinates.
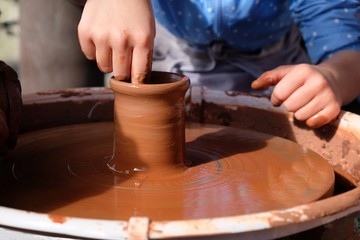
{"type": "Point", "coordinates": [10, 107]}
{"type": "Point", "coordinates": [310, 91]}
{"type": "Point", "coordinates": [119, 34]}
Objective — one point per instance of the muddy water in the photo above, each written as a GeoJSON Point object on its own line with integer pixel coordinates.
{"type": "Point", "coordinates": [64, 171]}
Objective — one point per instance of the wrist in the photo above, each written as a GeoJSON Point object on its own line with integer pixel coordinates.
{"type": "Point", "coordinates": [344, 71]}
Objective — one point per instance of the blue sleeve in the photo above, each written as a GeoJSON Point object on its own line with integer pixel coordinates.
{"type": "Point", "coordinates": [327, 26]}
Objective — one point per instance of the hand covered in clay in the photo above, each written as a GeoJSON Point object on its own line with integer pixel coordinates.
{"type": "Point", "coordinates": [307, 90]}
{"type": "Point", "coordinates": [10, 107]}
{"type": "Point", "coordinates": [119, 34]}
{"type": "Point", "coordinates": [315, 93]}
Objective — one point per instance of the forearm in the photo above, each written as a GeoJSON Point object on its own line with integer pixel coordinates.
{"type": "Point", "coordinates": [345, 71]}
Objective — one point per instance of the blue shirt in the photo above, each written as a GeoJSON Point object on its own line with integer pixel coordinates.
{"type": "Point", "coordinates": [327, 26]}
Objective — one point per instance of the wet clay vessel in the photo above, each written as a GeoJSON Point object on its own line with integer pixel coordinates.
{"type": "Point", "coordinates": [149, 119]}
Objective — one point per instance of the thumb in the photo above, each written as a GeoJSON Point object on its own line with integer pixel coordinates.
{"type": "Point", "coordinates": [270, 78]}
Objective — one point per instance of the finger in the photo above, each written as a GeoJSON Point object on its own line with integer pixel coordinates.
{"type": "Point", "coordinates": [309, 110]}
{"type": "Point", "coordinates": [86, 44]}
{"type": "Point", "coordinates": [121, 64]}
{"type": "Point", "coordinates": [88, 49]}
{"type": "Point", "coordinates": [141, 65]}
{"type": "Point", "coordinates": [270, 78]}
{"type": "Point", "coordinates": [318, 112]}
{"type": "Point", "coordinates": [104, 58]}
{"type": "Point", "coordinates": [299, 98]}
{"type": "Point", "coordinates": [323, 117]}
{"type": "Point", "coordinates": [290, 83]}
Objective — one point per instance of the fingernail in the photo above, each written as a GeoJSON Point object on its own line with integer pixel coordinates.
{"type": "Point", "coordinates": [104, 69]}
{"type": "Point", "coordinates": [316, 121]}
{"type": "Point", "coordinates": [275, 102]}
{"type": "Point", "coordinates": [262, 83]}
{"type": "Point", "coordinates": [141, 78]}
{"type": "Point", "coordinates": [255, 84]}
{"type": "Point", "coordinates": [258, 84]}
{"type": "Point", "coordinates": [120, 77]}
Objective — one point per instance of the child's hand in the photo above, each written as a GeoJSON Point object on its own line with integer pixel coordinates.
{"type": "Point", "coordinates": [119, 34]}
{"type": "Point", "coordinates": [307, 90]}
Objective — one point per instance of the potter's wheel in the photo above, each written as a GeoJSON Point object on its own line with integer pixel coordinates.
{"type": "Point", "coordinates": [63, 171]}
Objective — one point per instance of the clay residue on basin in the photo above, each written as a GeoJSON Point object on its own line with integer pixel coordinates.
{"type": "Point", "coordinates": [65, 174]}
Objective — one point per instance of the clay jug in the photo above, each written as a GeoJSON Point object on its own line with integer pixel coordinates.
{"type": "Point", "coordinates": [149, 118]}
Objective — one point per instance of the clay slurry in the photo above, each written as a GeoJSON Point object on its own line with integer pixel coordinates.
{"type": "Point", "coordinates": [65, 174]}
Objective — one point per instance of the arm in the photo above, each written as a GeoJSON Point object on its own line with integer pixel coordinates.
{"type": "Point", "coordinates": [315, 93]}
{"type": "Point", "coordinates": [119, 34]}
